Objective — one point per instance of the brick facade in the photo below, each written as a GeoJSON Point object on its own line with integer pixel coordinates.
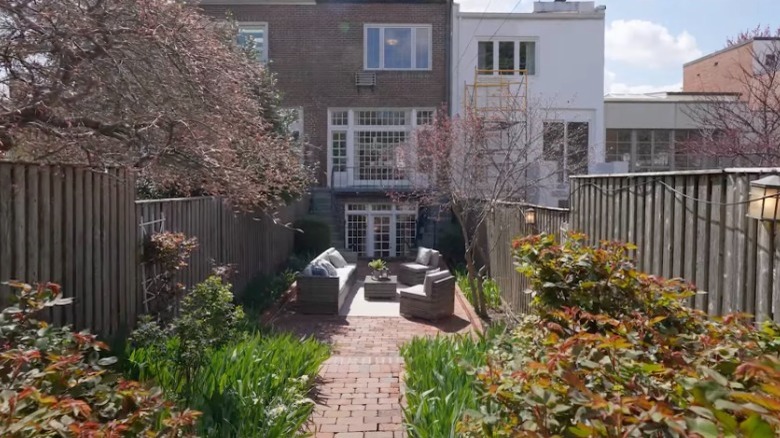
{"type": "Point", "coordinates": [315, 50]}
{"type": "Point", "coordinates": [716, 72]}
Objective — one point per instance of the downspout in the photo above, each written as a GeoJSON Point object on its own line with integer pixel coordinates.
{"type": "Point", "coordinates": [448, 57]}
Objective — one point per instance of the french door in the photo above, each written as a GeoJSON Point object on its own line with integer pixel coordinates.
{"type": "Point", "coordinates": [380, 230]}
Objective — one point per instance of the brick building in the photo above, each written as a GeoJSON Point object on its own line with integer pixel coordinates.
{"type": "Point", "coordinates": [361, 76]}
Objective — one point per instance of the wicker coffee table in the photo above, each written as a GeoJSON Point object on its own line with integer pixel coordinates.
{"type": "Point", "coordinates": [380, 288]}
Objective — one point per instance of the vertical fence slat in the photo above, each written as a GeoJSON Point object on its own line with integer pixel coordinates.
{"type": "Point", "coordinates": [7, 236]}
{"type": "Point", "coordinates": [717, 212]}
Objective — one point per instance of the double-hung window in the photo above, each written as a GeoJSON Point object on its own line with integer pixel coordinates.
{"type": "Point", "coordinates": [397, 47]}
{"type": "Point", "coordinates": [506, 57]}
{"type": "Point", "coordinates": [566, 143]}
{"type": "Point", "coordinates": [255, 35]}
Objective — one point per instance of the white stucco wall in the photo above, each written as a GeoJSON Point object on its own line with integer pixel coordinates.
{"type": "Point", "coordinates": [569, 80]}
{"type": "Point", "coordinates": [638, 114]}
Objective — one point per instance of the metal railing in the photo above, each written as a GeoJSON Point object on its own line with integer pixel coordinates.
{"type": "Point", "coordinates": [369, 177]}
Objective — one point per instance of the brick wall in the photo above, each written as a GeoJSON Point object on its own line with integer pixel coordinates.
{"type": "Point", "coordinates": [315, 50]}
{"type": "Point", "coordinates": [716, 73]}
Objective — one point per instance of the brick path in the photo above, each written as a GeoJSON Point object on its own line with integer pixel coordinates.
{"type": "Point", "coordinates": [359, 393]}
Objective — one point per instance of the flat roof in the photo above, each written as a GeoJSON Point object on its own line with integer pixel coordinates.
{"type": "Point", "coordinates": [666, 96]}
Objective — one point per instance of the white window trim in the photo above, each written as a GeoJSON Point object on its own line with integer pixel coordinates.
{"type": "Point", "coordinates": [382, 27]}
{"type": "Point", "coordinates": [352, 126]}
{"type": "Point", "coordinates": [254, 25]}
{"type": "Point", "coordinates": [517, 41]}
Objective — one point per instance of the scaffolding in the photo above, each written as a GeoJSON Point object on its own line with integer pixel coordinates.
{"type": "Point", "coordinates": [498, 94]}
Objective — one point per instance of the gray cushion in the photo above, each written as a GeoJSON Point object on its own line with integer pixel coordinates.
{"type": "Point", "coordinates": [423, 256]}
{"type": "Point", "coordinates": [307, 271]}
{"type": "Point", "coordinates": [415, 267]}
{"type": "Point", "coordinates": [329, 267]}
{"type": "Point", "coordinates": [414, 291]}
{"type": "Point", "coordinates": [318, 270]}
{"type": "Point", "coordinates": [434, 260]}
{"type": "Point", "coordinates": [337, 260]}
{"type": "Point", "coordinates": [432, 277]}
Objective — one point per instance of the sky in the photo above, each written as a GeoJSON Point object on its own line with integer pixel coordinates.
{"type": "Point", "coordinates": [648, 41]}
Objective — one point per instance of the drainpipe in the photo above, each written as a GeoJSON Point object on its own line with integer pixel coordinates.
{"type": "Point", "coordinates": [448, 57]}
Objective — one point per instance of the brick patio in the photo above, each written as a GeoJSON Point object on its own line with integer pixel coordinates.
{"type": "Point", "coordinates": [358, 393]}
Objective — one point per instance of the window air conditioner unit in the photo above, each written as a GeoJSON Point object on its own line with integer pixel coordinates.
{"type": "Point", "coordinates": [365, 79]}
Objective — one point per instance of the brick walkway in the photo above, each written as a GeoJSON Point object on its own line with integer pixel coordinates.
{"type": "Point", "coordinates": [359, 393]}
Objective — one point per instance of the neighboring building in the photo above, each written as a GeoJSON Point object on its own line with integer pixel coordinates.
{"type": "Point", "coordinates": [649, 132]}
{"type": "Point", "coordinates": [727, 70]}
{"type": "Point", "coordinates": [547, 68]}
{"type": "Point", "coordinates": [362, 75]}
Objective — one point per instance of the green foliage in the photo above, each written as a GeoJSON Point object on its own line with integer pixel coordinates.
{"type": "Point", "coordinates": [244, 382]}
{"type": "Point", "coordinates": [55, 382]}
{"type": "Point", "coordinates": [439, 387]}
{"type": "Point", "coordinates": [377, 264]}
{"type": "Point", "coordinates": [254, 387]}
{"type": "Point", "coordinates": [646, 365]}
{"type": "Point", "coordinates": [489, 288]}
{"type": "Point", "coordinates": [169, 253]}
{"type": "Point", "coordinates": [314, 236]}
{"type": "Point", "coordinates": [264, 290]}
{"type": "Point", "coordinates": [451, 245]}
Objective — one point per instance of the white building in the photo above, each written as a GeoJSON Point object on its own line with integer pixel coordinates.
{"type": "Point", "coordinates": [552, 62]}
{"type": "Point", "coordinates": [647, 132]}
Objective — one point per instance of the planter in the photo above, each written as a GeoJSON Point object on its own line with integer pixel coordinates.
{"type": "Point", "coordinates": [381, 274]}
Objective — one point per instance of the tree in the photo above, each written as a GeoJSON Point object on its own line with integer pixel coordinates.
{"type": "Point", "coordinates": [750, 34]}
{"type": "Point", "coordinates": [470, 163]}
{"type": "Point", "coordinates": [148, 84]}
{"type": "Point", "coordinates": [742, 128]}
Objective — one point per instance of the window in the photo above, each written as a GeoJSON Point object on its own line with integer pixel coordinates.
{"type": "Point", "coordinates": [254, 36]}
{"type": "Point", "coordinates": [424, 117]}
{"type": "Point", "coordinates": [618, 145]}
{"type": "Point", "coordinates": [339, 146]}
{"type": "Point", "coordinates": [567, 144]}
{"type": "Point", "coordinates": [652, 150]}
{"type": "Point", "coordinates": [389, 47]}
{"type": "Point", "coordinates": [511, 56]}
{"type": "Point", "coordinates": [376, 152]}
{"type": "Point", "coordinates": [381, 118]}
{"type": "Point", "coordinates": [770, 61]}
{"type": "Point", "coordinates": [339, 118]}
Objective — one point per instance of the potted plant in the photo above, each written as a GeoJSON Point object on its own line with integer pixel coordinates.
{"type": "Point", "coordinates": [380, 271]}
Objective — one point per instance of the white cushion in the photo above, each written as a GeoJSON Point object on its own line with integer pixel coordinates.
{"type": "Point", "coordinates": [415, 267]}
{"type": "Point", "coordinates": [336, 259]}
{"type": "Point", "coordinates": [330, 268]}
{"type": "Point", "coordinates": [432, 277]}
{"type": "Point", "coordinates": [423, 256]}
{"type": "Point", "coordinates": [414, 290]}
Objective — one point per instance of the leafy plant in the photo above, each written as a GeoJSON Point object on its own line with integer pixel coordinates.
{"type": "Point", "coordinates": [55, 382]}
{"type": "Point", "coordinates": [439, 385]}
{"type": "Point", "coordinates": [377, 265]}
{"type": "Point", "coordinates": [489, 288]}
{"type": "Point", "coordinates": [165, 254]}
{"type": "Point", "coordinates": [255, 387]}
{"type": "Point", "coordinates": [644, 365]}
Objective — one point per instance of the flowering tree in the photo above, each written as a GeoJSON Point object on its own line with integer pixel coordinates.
{"type": "Point", "coordinates": [743, 127]}
{"type": "Point", "coordinates": [148, 84]}
{"type": "Point", "coordinates": [471, 163]}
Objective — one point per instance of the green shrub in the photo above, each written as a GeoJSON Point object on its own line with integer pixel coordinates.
{"type": "Point", "coordinates": [646, 365]}
{"type": "Point", "coordinates": [451, 245]}
{"type": "Point", "coordinates": [314, 237]}
{"type": "Point", "coordinates": [439, 387]}
{"type": "Point", "coordinates": [254, 387]}
{"type": "Point", "coordinates": [489, 288]}
{"type": "Point", "coordinates": [264, 290]}
{"type": "Point", "coordinates": [55, 382]}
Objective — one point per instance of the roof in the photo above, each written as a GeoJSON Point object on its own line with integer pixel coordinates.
{"type": "Point", "coordinates": [730, 48]}
{"type": "Point", "coordinates": [667, 97]}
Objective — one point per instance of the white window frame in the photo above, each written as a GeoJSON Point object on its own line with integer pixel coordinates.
{"type": "Point", "coordinates": [564, 171]}
{"type": "Point", "coordinates": [370, 212]}
{"type": "Point", "coordinates": [351, 127]}
{"type": "Point", "coordinates": [516, 59]}
{"type": "Point", "coordinates": [249, 26]}
{"type": "Point", "coordinates": [382, 27]}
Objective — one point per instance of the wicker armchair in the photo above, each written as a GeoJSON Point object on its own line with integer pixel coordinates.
{"type": "Point", "coordinates": [413, 273]}
{"type": "Point", "coordinates": [432, 300]}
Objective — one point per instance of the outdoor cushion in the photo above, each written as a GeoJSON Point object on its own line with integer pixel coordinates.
{"type": "Point", "coordinates": [416, 267]}
{"type": "Point", "coordinates": [344, 274]}
{"type": "Point", "coordinates": [337, 259]}
{"type": "Point", "coordinates": [423, 256]}
{"type": "Point", "coordinates": [330, 268]}
{"type": "Point", "coordinates": [416, 291]}
{"type": "Point", "coordinates": [432, 277]}
{"type": "Point", "coordinates": [307, 271]}
{"type": "Point", "coordinates": [434, 260]}
{"type": "Point", "coordinates": [318, 271]}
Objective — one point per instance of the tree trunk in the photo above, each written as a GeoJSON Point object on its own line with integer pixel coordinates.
{"type": "Point", "coordinates": [473, 277]}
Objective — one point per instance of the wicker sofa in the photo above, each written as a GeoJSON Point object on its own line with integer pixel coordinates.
{"type": "Point", "coordinates": [325, 294]}
{"type": "Point", "coordinates": [432, 300]}
{"type": "Point", "coordinates": [413, 273]}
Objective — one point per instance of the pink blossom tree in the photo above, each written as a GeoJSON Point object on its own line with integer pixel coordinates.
{"type": "Point", "coordinates": [149, 84]}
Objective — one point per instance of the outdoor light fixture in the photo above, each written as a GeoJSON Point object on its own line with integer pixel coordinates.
{"type": "Point", "coordinates": [530, 216]}
{"type": "Point", "coordinates": [764, 197]}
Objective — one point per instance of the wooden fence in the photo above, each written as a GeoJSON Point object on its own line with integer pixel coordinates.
{"type": "Point", "coordinates": [252, 243]}
{"type": "Point", "coordinates": [692, 225]}
{"type": "Point", "coordinates": [506, 222]}
{"type": "Point", "coordinates": [76, 227]}
{"type": "Point", "coordinates": [82, 229]}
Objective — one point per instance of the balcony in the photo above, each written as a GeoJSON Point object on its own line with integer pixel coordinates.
{"type": "Point", "coordinates": [373, 179]}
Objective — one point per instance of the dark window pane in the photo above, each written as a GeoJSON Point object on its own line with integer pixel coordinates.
{"type": "Point", "coordinates": [398, 47]}
{"type": "Point", "coordinates": [485, 56]}
{"type": "Point", "coordinates": [577, 148]}
{"type": "Point", "coordinates": [506, 57]}
{"type": "Point", "coordinates": [372, 48]}
{"type": "Point", "coordinates": [528, 57]}
{"type": "Point", "coordinates": [422, 48]}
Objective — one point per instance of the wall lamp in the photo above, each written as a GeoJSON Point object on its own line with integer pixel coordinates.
{"type": "Point", "coordinates": [530, 216]}
{"type": "Point", "coordinates": [764, 199]}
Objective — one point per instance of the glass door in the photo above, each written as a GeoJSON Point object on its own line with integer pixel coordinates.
{"type": "Point", "coordinates": [381, 235]}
